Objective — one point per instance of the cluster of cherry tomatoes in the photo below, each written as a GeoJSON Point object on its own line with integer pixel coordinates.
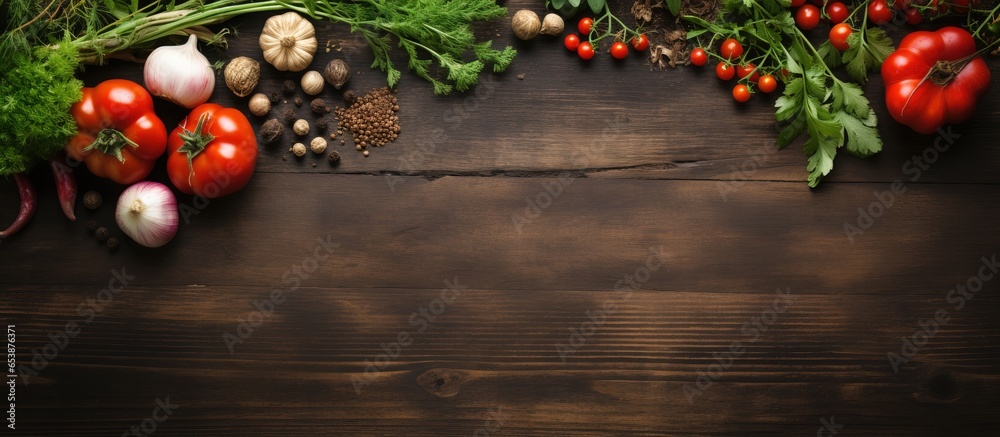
{"type": "Point", "coordinates": [730, 51]}
{"type": "Point", "coordinates": [585, 49]}
{"type": "Point", "coordinates": [808, 17]}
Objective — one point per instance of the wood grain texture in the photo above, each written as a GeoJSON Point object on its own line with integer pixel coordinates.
{"type": "Point", "coordinates": [511, 193]}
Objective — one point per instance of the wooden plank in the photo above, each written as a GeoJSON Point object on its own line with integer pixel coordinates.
{"type": "Point", "coordinates": [763, 236]}
{"type": "Point", "coordinates": [681, 123]}
{"type": "Point", "coordinates": [298, 371]}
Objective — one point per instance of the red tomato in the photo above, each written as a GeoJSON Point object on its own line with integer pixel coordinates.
{"type": "Point", "coordinates": [839, 34]}
{"type": "Point", "coordinates": [119, 136]}
{"type": "Point", "coordinates": [584, 25]}
{"type": "Point", "coordinates": [585, 51]}
{"type": "Point", "coordinates": [724, 71]}
{"type": "Point", "coordinates": [640, 43]}
{"type": "Point", "coordinates": [837, 12]}
{"type": "Point", "coordinates": [797, 3]}
{"type": "Point", "coordinates": [913, 16]}
{"type": "Point", "coordinates": [731, 49]}
{"type": "Point", "coordinates": [699, 57]}
{"type": "Point", "coordinates": [213, 152]}
{"type": "Point", "coordinates": [901, 4]}
{"type": "Point", "coordinates": [878, 12]}
{"type": "Point", "coordinates": [741, 93]}
{"type": "Point", "coordinates": [572, 41]}
{"type": "Point", "coordinates": [619, 50]}
{"type": "Point", "coordinates": [767, 84]}
{"type": "Point", "coordinates": [925, 102]}
{"type": "Point", "coordinates": [748, 70]}
{"type": "Point", "coordinates": [807, 17]}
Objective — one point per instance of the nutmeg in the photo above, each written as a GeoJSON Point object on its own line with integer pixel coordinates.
{"type": "Point", "coordinates": [242, 75]}
{"type": "Point", "coordinates": [260, 105]}
{"type": "Point", "coordinates": [312, 83]}
{"type": "Point", "coordinates": [337, 73]}
{"type": "Point", "coordinates": [525, 24]}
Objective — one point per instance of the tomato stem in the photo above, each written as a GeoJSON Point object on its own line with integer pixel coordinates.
{"type": "Point", "coordinates": [110, 142]}
{"type": "Point", "coordinates": [196, 141]}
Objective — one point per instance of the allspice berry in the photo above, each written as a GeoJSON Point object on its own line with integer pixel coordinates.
{"type": "Point", "coordinates": [337, 73]}
{"type": "Point", "coordinates": [92, 200]}
{"type": "Point", "coordinates": [350, 97]}
{"type": "Point", "coordinates": [271, 130]}
{"type": "Point", "coordinates": [101, 233]}
{"type": "Point", "coordinates": [242, 75]}
{"type": "Point", "coordinates": [91, 225]}
{"type": "Point", "coordinates": [112, 244]}
{"type": "Point", "coordinates": [319, 106]}
{"type": "Point", "coordinates": [290, 115]}
{"type": "Point", "coordinates": [334, 157]}
{"type": "Point", "coordinates": [288, 86]}
{"type": "Point", "coordinates": [298, 149]}
{"type": "Point", "coordinates": [260, 105]}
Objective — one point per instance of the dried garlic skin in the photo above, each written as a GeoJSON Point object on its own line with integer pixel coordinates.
{"type": "Point", "coordinates": [288, 41]}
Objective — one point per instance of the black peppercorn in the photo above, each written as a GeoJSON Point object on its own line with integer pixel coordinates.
{"type": "Point", "coordinates": [91, 225]}
{"type": "Point", "coordinates": [321, 124]}
{"type": "Point", "coordinates": [334, 157]}
{"type": "Point", "coordinates": [271, 130]}
{"type": "Point", "coordinates": [92, 200]}
{"type": "Point", "coordinates": [275, 98]}
{"type": "Point", "coordinates": [319, 106]}
{"type": "Point", "coordinates": [290, 116]}
{"type": "Point", "coordinates": [101, 233]}
{"type": "Point", "coordinates": [350, 97]}
{"type": "Point", "coordinates": [112, 244]}
{"type": "Point", "coordinates": [288, 86]}
{"type": "Point", "coordinates": [298, 102]}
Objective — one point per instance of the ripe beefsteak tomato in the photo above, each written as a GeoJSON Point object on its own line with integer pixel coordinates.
{"type": "Point", "coordinates": [213, 152]}
{"type": "Point", "coordinates": [934, 79]}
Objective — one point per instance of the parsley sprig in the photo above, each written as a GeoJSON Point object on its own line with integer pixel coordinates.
{"type": "Point", "coordinates": [831, 112]}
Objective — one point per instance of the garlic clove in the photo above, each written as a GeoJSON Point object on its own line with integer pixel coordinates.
{"type": "Point", "coordinates": [180, 74]}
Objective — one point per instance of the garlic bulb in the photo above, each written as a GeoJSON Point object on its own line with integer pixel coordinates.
{"type": "Point", "coordinates": [288, 42]}
{"type": "Point", "coordinates": [180, 74]}
{"type": "Point", "coordinates": [147, 212]}
{"type": "Point", "coordinates": [525, 24]}
{"type": "Point", "coordinates": [552, 25]}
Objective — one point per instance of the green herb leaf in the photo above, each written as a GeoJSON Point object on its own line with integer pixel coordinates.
{"type": "Point", "coordinates": [596, 6]}
{"type": "Point", "coordinates": [862, 138]}
{"type": "Point", "coordinates": [674, 6]}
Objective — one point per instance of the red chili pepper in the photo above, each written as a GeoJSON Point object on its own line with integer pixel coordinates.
{"type": "Point", "coordinates": [27, 205]}
{"type": "Point", "coordinates": [65, 185]}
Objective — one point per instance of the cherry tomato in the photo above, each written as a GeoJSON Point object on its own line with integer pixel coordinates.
{"type": "Point", "coordinates": [640, 43]}
{"type": "Point", "coordinates": [839, 34]}
{"type": "Point", "coordinates": [731, 49]}
{"type": "Point", "coordinates": [724, 71]}
{"type": "Point", "coordinates": [619, 50]}
{"type": "Point", "coordinates": [901, 4]}
{"type": "Point", "coordinates": [797, 3]}
{"type": "Point", "coordinates": [584, 25]}
{"type": "Point", "coordinates": [741, 93]}
{"type": "Point", "coordinates": [807, 17]}
{"type": "Point", "coordinates": [878, 12]}
{"type": "Point", "coordinates": [837, 12]}
{"type": "Point", "coordinates": [748, 70]}
{"type": "Point", "coordinates": [913, 16]}
{"type": "Point", "coordinates": [699, 57]}
{"type": "Point", "coordinates": [585, 51]}
{"type": "Point", "coordinates": [767, 84]}
{"type": "Point", "coordinates": [572, 41]}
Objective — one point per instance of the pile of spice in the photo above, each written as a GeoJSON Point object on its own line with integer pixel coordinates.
{"type": "Point", "coordinates": [371, 119]}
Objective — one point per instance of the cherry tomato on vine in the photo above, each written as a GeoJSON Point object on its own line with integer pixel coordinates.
{"type": "Point", "coordinates": [724, 71]}
{"type": "Point", "coordinates": [807, 17]}
{"type": "Point", "coordinates": [731, 49]}
{"type": "Point", "coordinates": [837, 12]}
{"type": "Point", "coordinates": [901, 4]}
{"type": "Point", "coordinates": [741, 93]}
{"type": "Point", "coordinates": [767, 84]}
{"type": "Point", "coordinates": [913, 16]}
{"type": "Point", "coordinates": [748, 70]}
{"type": "Point", "coordinates": [640, 43]}
{"type": "Point", "coordinates": [572, 41]}
{"type": "Point", "coordinates": [797, 3]}
{"type": "Point", "coordinates": [585, 51]}
{"type": "Point", "coordinates": [878, 12]}
{"type": "Point", "coordinates": [584, 25]}
{"type": "Point", "coordinates": [839, 34]}
{"type": "Point", "coordinates": [699, 57]}
{"type": "Point", "coordinates": [619, 50]}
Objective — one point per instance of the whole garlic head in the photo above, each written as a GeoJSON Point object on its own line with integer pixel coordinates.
{"type": "Point", "coordinates": [288, 41]}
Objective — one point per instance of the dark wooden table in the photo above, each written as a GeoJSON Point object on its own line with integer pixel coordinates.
{"type": "Point", "coordinates": [587, 249]}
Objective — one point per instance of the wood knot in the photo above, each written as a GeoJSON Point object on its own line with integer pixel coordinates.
{"type": "Point", "coordinates": [442, 382]}
{"type": "Point", "coordinates": [939, 387]}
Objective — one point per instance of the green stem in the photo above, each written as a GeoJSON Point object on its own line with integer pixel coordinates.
{"type": "Point", "coordinates": [195, 141]}
{"type": "Point", "coordinates": [111, 142]}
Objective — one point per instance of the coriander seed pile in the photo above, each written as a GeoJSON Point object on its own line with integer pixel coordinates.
{"type": "Point", "coordinates": [371, 118]}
